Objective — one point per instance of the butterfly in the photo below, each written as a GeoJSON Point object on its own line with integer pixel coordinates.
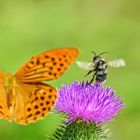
{"type": "Point", "coordinates": [24, 97]}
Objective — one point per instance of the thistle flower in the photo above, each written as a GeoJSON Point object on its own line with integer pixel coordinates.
{"type": "Point", "coordinates": [87, 107]}
{"type": "Point", "coordinates": [90, 103]}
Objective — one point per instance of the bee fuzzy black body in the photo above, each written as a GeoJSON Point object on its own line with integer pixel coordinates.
{"type": "Point", "coordinates": [99, 69]}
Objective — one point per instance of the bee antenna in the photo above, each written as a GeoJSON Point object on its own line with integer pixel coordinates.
{"type": "Point", "coordinates": [102, 53]}
{"type": "Point", "coordinates": [94, 53]}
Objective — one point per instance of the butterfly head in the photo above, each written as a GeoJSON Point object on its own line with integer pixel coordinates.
{"type": "Point", "coordinates": [9, 80]}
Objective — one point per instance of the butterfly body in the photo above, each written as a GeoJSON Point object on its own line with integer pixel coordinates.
{"type": "Point", "coordinates": [10, 86]}
{"type": "Point", "coordinates": [24, 97]}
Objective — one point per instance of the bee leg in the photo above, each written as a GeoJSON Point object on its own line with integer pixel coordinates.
{"type": "Point", "coordinates": [88, 73]}
{"type": "Point", "coordinates": [92, 79]}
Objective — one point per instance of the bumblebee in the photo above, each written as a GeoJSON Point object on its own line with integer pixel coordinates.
{"type": "Point", "coordinates": [98, 67]}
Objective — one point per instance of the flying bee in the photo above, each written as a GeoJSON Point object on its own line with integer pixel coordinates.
{"type": "Point", "coordinates": [98, 67]}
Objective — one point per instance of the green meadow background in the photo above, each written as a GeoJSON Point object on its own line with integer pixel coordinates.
{"type": "Point", "coordinates": [29, 27]}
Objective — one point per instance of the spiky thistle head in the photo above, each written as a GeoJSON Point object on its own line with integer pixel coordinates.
{"type": "Point", "coordinates": [81, 101]}
{"type": "Point", "coordinates": [87, 107]}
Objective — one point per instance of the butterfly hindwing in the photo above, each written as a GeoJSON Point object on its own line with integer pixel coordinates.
{"type": "Point", "coordinates": [33, 102]}
{"type": "Point", "coordinates": [47, 66]}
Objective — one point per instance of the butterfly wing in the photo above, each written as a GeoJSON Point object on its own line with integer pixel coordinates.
{"type": "Point", "coordinates": [47, 66]}
{"type": "Point", "coordinates": [4, 109]}
{"type": "Point", "coordinates": [33, 102]}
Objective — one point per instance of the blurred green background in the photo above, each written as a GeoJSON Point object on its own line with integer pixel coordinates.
{"type": "Point", "coordinates": [29, 27]}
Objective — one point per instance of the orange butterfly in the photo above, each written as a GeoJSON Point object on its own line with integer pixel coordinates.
{"type": "Point", "coordinates": [24, 97]}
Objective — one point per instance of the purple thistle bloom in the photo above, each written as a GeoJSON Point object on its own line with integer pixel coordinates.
{"type": "Point", "coordinates": [88, 102]}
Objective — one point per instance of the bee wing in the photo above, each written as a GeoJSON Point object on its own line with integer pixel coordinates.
{"type": "Point", "coordinates": [85, 65]}
{"type": "Point", "coordinates": [117, 63]}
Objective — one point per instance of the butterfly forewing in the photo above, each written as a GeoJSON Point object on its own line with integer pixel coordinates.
{"type": "Point", "coordinates": [33, 102]}
{"type": "Point", "coordinates": [47, 66]}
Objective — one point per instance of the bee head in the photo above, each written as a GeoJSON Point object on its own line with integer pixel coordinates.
{"type": "Point", "coordinates": [97, 57]}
